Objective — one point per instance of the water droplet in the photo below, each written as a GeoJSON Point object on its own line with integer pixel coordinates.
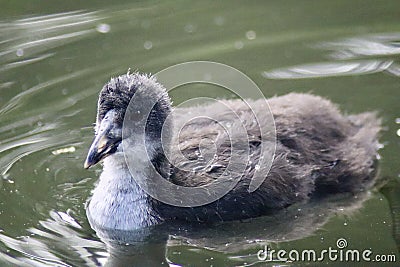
{"type": "Point", "coordinates": [47, 169]}
{"type": "Point", "coordinates": [397, 120]}
{"type": "Point", "coordinates": [64, 91]}
{"type": "Point", "coordinates": [398, 132]}
{"type": "Point", "coordinates": [257, 167]}
{"type": "Point", "coordinates": [103, 28]}
{"type": "Point", "coordinates": [239, 45]}
{"type": "Point", "coordinates": [148, 45]}
{"type": "Point", "coordinates": [251, 35]}
{"type": "Point", "coordinates": [345, 223]}
{"type": "Point", "coordinates": [20, 52]}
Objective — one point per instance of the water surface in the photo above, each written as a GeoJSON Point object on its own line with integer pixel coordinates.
{"type": "Point", "coordinates": [55, 57]}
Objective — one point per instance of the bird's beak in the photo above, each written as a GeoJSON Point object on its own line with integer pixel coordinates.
{"type": "Point", "coordinates": [98, 151]}
{"type": "Point", "coordinates": [102, 145]}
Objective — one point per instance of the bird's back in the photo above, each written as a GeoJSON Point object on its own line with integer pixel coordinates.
{"type": "Point", "coordinates": [318, 151]}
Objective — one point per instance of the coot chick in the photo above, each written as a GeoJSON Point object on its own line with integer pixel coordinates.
{"type": "Point", "coordinates": [319, 152]}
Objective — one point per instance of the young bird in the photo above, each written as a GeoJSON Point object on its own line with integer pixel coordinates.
{"type": "Point", "coordinates": [319, 152]}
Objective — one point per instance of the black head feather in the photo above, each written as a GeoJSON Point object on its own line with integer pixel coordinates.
{"type": "Point", "coordinates": [117, 93]}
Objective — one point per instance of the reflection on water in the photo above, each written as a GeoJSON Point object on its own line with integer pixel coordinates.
{"type": "Point", "coordinates": [28, 41]}
{"type": "Point", "coordinates": [384, 44]}
{"type": "Point", "coordinates": [329, 69]}
{"type": "Point", "coordinates": [392, 192]}
{"type": "Point", "coordinates": [52, 67]}
{"type": "Point", "coordinates": [32, 36]}
{"type": "Point", "coordinates": [59, 235]}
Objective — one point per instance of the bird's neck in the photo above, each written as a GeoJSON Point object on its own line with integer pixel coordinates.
{"type": "Point", "coordinates": [118, 202]}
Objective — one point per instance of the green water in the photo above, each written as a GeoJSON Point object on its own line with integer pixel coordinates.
{"type": "Point", "coordinates": [56, 55]}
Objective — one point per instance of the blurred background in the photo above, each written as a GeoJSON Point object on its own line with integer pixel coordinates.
{"type": "Point", "coordinates": [56, 55]}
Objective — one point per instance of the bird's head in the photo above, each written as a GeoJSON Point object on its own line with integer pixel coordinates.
{"type": "Point", "coordinates": [114, 100]}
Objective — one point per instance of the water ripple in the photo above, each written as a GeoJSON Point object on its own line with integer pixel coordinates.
{"type": "Point", "coordinates": [377, 45]}
{"type": "Point", "coordinates": [329, 69]}
{"type": "Point", "coordinates": [23, 148]}
{"type": "Point", "coordinates": [15, 101]}
{"type": "Point", "coordinates": [382, 44]}
{"type": "Point", "coordinates": [26, 61]}
{"type": "Point", "coordinates": [26, 37]}
{"type": "Point", "coordinates": [39, 249]}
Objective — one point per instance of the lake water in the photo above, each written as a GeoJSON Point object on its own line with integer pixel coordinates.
{"type": "Point", "coordinates": [55, 56]}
